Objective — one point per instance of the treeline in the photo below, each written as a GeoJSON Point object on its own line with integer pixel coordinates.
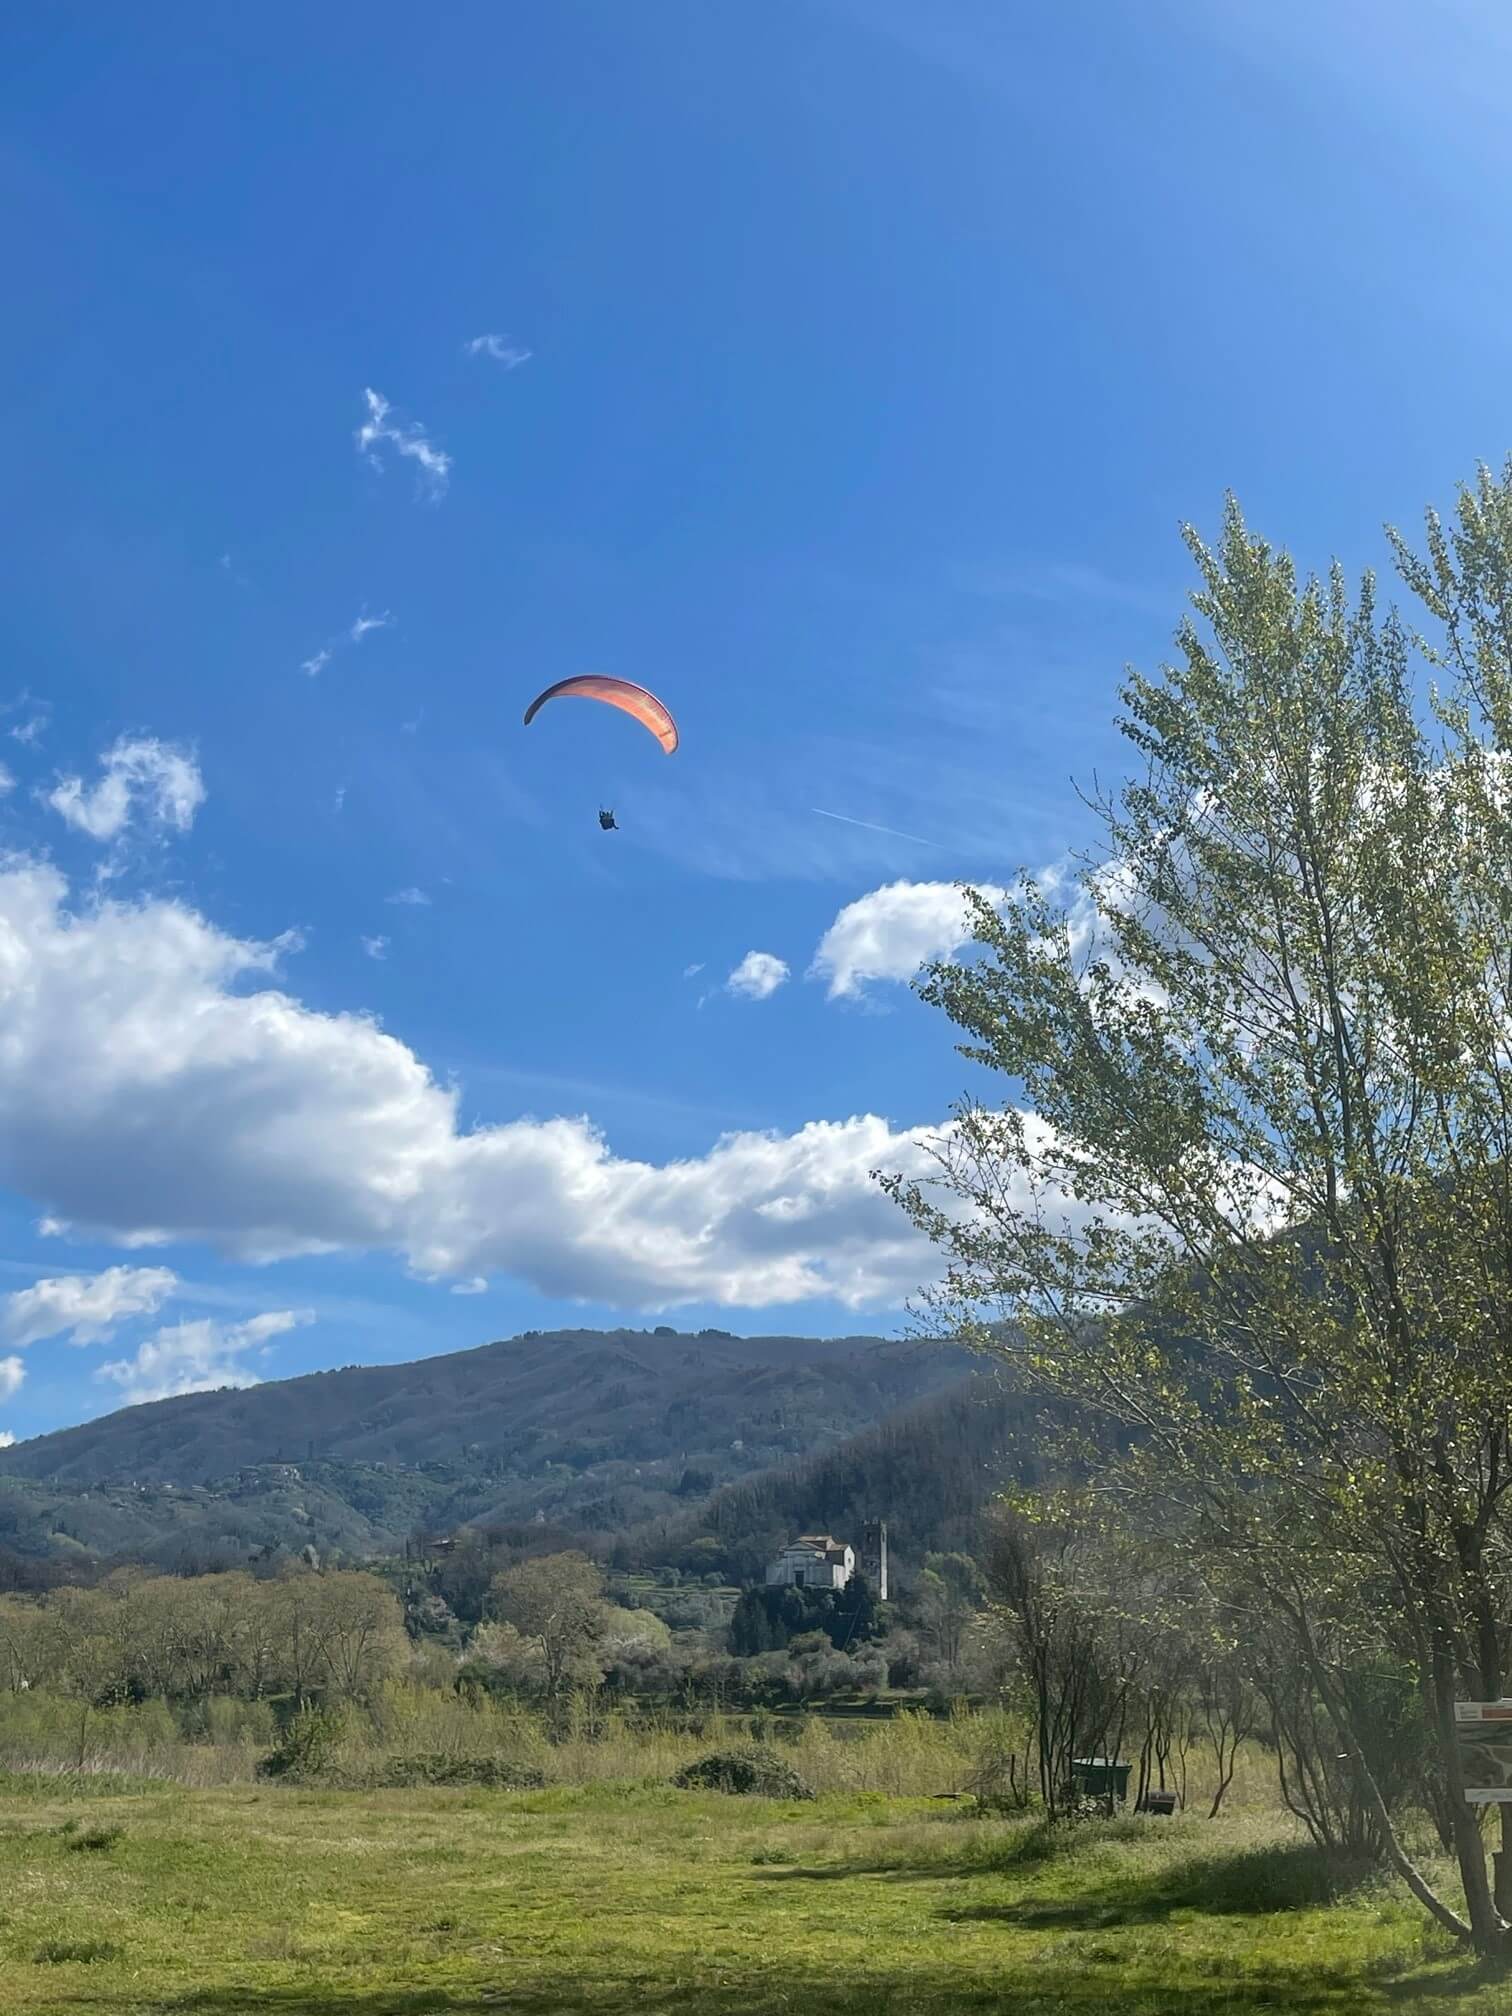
{"type": "Point", "coordinates": [138, 1637]}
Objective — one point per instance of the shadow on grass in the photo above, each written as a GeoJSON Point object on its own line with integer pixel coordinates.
{"type": "Point", "coordinates": [1252, 1883]}
{"type": "Point", "coordinates": [916, 1992]}
{"type": "Point", "coordinates": [1249, 1883]}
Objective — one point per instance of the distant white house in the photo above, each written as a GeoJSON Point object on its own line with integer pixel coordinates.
{"type": "Point", "coordinates": [812, 1561]}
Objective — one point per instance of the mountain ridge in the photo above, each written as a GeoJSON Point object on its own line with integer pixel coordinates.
{"type": "Point", "coordinates": [590, 1429]}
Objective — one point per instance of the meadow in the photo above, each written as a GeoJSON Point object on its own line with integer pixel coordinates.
{"type": "Point", "coordinates": [190, 1886]}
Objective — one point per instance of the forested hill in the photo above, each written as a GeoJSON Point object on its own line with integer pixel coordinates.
{"type": "Point", "coordinates": [930, 1470]}
{"type": "Point", "coordinates": [600, 1431]}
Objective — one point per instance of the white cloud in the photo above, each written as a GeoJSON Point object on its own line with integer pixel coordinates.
{"type": "Point", "coordinates": [411, 899]}
{"type": "Point", "coordinates": [758, 976]}
{"type": "Point", "coordinates": [12, 1372]}
{"type": "Point", "coordinates": [7, 781]}
{"type": "Point", "coordinates": [692, 972]}
{"type": "Point", "coordinates": [196, 1357]}
{"type": "Point", "coordinates": [7, 1439]}
{"type": "Point", "coordinates": [892, 932]}
{"type": "Point", "coordinates": [277, 1130]}
{"type": "Point", "coordinates": [138, 772]}
{"type": "Point", "coordinates": [86, 1307]}
{"type": "Point", "coordinates": [499, 348]}
{"type": "Point", "coordinates": [476, 1286]}
{"type": "Point", "coordinates": [34, 726]}
{"type": "Point", "coordinates": [433, 464]}
{"type": "Point", "coordinates": [376, 948]}
{"type": "Point", "coordinates": [359, 628]}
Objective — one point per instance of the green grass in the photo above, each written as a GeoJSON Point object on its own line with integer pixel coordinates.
{"type": "Point", "coordinates": [640, 1901]}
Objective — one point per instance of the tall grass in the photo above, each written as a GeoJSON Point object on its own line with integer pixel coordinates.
{"type": "Point", "coordinates": [220, 1741]}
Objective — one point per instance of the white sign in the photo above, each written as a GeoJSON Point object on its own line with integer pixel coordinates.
{"type": "Point", "coordinates": [1484, 1730]}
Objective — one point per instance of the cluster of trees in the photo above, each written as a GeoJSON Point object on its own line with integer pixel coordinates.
{"type": "Point", "coordinates": [549, 1631]}
{"type": "Point", "coordinates": [767, 1620]}
{"type": "Point", "coordinates": [1247, 1211]}
{"type": "Point", "coordinates": [136, 1636]}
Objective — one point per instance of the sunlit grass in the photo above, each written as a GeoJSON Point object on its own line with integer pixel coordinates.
{"type": "Point", "coordinates": [615, 1899]}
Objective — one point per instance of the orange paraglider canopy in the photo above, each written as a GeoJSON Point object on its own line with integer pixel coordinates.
{"type": "Point", "coordinates": [622, 693]}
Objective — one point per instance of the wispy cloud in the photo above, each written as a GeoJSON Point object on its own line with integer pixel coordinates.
{"type": "Point", "coordinates": [692, 972]}
{"type": "Point", "coordinates": [7, 781]}
{"type": "Point", "coordinates": [340, 799]}
{"type": "Point", "coordinates": [361, 626]}
{"type": "Point", "coordinates": [758, 976]}
{"type": "Point", "coordinates": [33, 726]}
{"type": "Point", "coordinates": [1072, 581]}
{"type": "Point", "coordinates": [500, 349]}
{"type": "Point", "coordinates": [376, 948]}
{"type": "Point", "coordinates": [476, 1286]}
{"type": "Point", "coordinates": [414, 899]}
{"type": "Point", "coordinates": [380, 430]}
{"type": "Point", "coordinates": [12, 1372]}
{"type": "Point", "coordinates": [136, 772]}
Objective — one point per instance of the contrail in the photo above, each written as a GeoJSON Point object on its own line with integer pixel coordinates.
{"type": "Point", "coordinates": [846, 820]}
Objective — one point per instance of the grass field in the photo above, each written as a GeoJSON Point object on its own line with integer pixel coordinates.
{"type": "Point", "coordinates": [634, 1901]}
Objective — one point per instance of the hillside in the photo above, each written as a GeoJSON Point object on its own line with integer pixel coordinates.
{"type": "Point", "coordinates": [593, 1430]}
{"type": "Point", "coordinates": [929, 1469]}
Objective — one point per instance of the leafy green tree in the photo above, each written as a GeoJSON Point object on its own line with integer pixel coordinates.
{"type": "Point", "coordinates": [1249, 1204]}
{"type": "Point", "coordinates": [946, 1597]}
{"type": "Point", "coordinates": [556, 1600]}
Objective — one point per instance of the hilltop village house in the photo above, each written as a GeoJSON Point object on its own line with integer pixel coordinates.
{"type": "Point", "coordinates": [820, 1561]}
{"type": "Point", "coordinates": [812, 1561]}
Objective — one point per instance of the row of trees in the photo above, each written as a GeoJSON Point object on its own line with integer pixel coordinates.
{"type": "Point", "coordinates": [1247, 1210]}
{"type": "Point", "coordinates": [547, 1629]}
{"type": "Point", "coordinates": [188, 1639]}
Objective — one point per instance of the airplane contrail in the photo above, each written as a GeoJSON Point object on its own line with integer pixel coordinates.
{"type": "Point", "coordinates": [846, 820]}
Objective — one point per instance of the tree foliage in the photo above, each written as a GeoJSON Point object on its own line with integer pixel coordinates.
{"type": "Point", "coordinates": [1248, 1205]}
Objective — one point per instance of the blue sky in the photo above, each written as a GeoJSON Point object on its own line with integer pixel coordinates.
{"type": "Point", "coordinates": [875, 353]}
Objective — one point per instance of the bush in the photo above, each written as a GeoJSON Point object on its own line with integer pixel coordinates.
{"type": "Point", "coordinates": [309, 1746]}
{"type": "Point", "coordinates": [93, 1840]}
{"type": "Point", "coordinates": [753, 1771]}
{"type": "Point", "coordinates": [498, 1773]}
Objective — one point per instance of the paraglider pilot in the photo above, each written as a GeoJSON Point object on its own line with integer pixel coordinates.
{"type": "Point", "coordinates": [606, 820]}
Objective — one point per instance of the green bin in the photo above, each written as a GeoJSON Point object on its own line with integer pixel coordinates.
{"type": "Point", "coordinates": [1100, 1778]}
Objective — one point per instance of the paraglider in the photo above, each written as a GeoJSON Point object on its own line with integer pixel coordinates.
{"type": "Point", "coordinates": [622, 693]}
{"type": "Point", "coordinates": [636, 701]}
